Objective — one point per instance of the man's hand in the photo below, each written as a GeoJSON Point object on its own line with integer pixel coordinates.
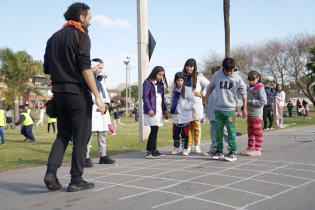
{"type": "Point", "coordinates": [101, 105]}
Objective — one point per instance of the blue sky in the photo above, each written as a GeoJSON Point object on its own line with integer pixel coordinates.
{"type": "Point", "coordinates": [181, 28]}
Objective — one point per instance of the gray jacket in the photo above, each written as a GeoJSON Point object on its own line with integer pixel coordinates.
{"type": "Point", "coordinates": [257, 99]}
{"type": "Point", "coordinates": [226, 89]}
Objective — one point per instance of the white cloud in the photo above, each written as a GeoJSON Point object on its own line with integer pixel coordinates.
{"type": "Point", "coordinates": [109, 23]}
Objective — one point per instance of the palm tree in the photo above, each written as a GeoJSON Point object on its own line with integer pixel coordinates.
{"type": "Point", "coordinates": [226, 12]}
{"type": "Point", "coordinates": [15, 70]}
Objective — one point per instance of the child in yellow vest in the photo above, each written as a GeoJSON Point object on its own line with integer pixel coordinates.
{"type": "Point", "coordinates": [51, 121]}
{"type": "Point", "coordinates": [26, 122]}
{"type": "Point", "coordinates": [2, 125]}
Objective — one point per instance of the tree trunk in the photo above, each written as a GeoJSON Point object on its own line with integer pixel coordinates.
{"type": "Point", "coordinates": [16, 109]}
{"type": "Point", "coordinates": [226, 12]}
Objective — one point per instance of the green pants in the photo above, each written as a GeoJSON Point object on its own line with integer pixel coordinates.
{"type": "Point", "coordinates": [225, 118]}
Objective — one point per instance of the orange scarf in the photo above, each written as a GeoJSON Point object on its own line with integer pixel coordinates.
{"type": "Point", "coordinates": [75, 24]}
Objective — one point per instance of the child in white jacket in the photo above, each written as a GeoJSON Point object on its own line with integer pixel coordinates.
{"type": "Point", "coordinates": [181, 108]}
{"type": "Point", "coordinates": [99, 122]}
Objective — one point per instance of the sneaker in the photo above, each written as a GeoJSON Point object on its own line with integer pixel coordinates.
{"type": "Point", "coordinates": [157, 154]}
{"type": "Point", "coordinates": [83, 185]}
{"type": "Point", "coordinates": [248, 152]}
{"type": "Point", "coordinates": [175, 151]}
{"type": "Point", "coordinates": [106, 160]}
{"type": "Point", "coordinates": [189, 150]}
{"type": "Point", "coordinates": [88, 163]}
{"type": "Point", "coordinates": [231, 156]}
{"type": "Point", "coordinates": [184, 152]}
{"type": "Point", "coordinates": [51, 181]}
{"type": "Point", "coordinates": [149, 155]}
{"type": "Point", "coordinates": [218, 155]}
{"type": "Point", "coordinates": [210, 153]}
{"type": "Point", "coordinates": [198, 149]}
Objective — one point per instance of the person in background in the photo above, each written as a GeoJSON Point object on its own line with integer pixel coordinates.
{"type": "Point", "coordinates": [290, 108]}
{"type": "Point", "coordinates": [298, 107]}
{"type": "Point", "coordinates": [279, 105]}
{"type": "Point", "coordinates": [2, 124]}
{"type": "Point", "coordinates": [41, 117]}
{"type": "Point", "coordinates": [26, 122]}
{"type": "Point", "coordinates": [51, 122]}
{"type": "Point", "coordinates": [268, 108]}
{"type": "Point", "coordinates": [9, 118]}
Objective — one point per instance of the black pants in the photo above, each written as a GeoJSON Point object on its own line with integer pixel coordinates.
{"type": "Point", "coordinates": [27, 132]}
{"type": "Point", "coordinates": [267, 116]}
{"type": "Point", "coordinates": [74, 113]}
{"type": "Point", "coordinates": [53, 125]}
{"type": "Point", "coordinates": [151, 145]}
{"type": "Point", "coordinates": [180, 131]}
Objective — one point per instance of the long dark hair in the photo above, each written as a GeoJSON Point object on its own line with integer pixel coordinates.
{"type": "Point", "coordinates": [75, 10]}
{"type": "Point", "coordinates": [155, 71]}
{"type": "Point", "coordinates": [192, 62]}
{"type": "Point", "coordinates": [252, 75]}
{"type": "Point", "coordinates": [179, 75]}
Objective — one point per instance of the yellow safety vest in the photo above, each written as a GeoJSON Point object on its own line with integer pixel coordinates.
{"type": "Point", "coordinates": [51, 120]}
{"type": "Point", "coordinates": [2, 118]}
{"type": "Point", "coordinates": [28, 120]}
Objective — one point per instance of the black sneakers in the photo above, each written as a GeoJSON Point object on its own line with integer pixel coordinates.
{"type": "Point", "coordinates": [106, 160]}
{"type": "Point", "coordinates": [231, 156]}
{"type": "Point", "coordinates": [83, 185]}
{"type": "Point", "coordinates": [51, 181]}
{"type": "Point", "coordinates": [154, 155]}
{"type": "Point", "coordinates": [88, 163]}
{"type": "Point", "coordinates": [218, 155]}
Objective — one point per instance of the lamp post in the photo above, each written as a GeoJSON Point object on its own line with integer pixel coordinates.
{"type": "Point", "coordinates": [126, 62]}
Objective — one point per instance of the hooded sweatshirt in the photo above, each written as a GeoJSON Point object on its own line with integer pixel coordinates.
{"type": "Point", "coordinates": [226, 89]}
{"type": "Point", "coordinates": [257, 99]}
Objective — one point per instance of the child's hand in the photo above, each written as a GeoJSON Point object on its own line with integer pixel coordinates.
{"type": "Point", "coordinates": [244, 113]}
{"type": "Point", "coordinates": [199, 94]}
{"type": "Point", "coordinates": [151, 113]}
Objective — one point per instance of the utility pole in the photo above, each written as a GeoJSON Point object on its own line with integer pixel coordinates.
{"type": "Point", "coordinates": [126, 62]}
{"type": "Point", "coordinates": [143, 56]}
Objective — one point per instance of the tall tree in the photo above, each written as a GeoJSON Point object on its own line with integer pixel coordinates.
{"type": "Point", "coordinates": [311, 72]}
{"type": "Point", "coordinates": [226, 12]}
{"type": "Point", "coordinates": [15, 71]}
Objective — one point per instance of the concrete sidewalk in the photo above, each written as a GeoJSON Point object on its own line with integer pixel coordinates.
{"type": "Point", "coordinates": [283, 178]}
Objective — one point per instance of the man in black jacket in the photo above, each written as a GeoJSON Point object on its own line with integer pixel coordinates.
{"type": "Point", "coordinates": [67, 60]}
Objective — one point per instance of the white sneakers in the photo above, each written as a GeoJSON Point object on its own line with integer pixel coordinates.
{"type": "Point", "coordinates": [175, 151]}
{"type": "Point", "coordinates": [248, 152]}
{"type": "Point", "coordinates": [198, 149]}
{"type": "Point", "coordinates": [184, 152]}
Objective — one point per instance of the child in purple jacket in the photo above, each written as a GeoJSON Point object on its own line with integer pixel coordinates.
{"type": "Point", "coordinates": [154, 108]}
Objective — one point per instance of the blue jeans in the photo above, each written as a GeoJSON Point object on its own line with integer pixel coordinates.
{"type": "Point", "coordinates": [2, 135]}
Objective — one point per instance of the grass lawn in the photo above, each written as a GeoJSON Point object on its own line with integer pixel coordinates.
{"type": "Point", "coordinates": [19, 154]}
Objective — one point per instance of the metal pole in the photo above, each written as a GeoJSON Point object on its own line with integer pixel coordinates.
{"type": "Point", "coordinates": [126, 61]}
{"type": "Point", "coordinates": [143, 57]}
